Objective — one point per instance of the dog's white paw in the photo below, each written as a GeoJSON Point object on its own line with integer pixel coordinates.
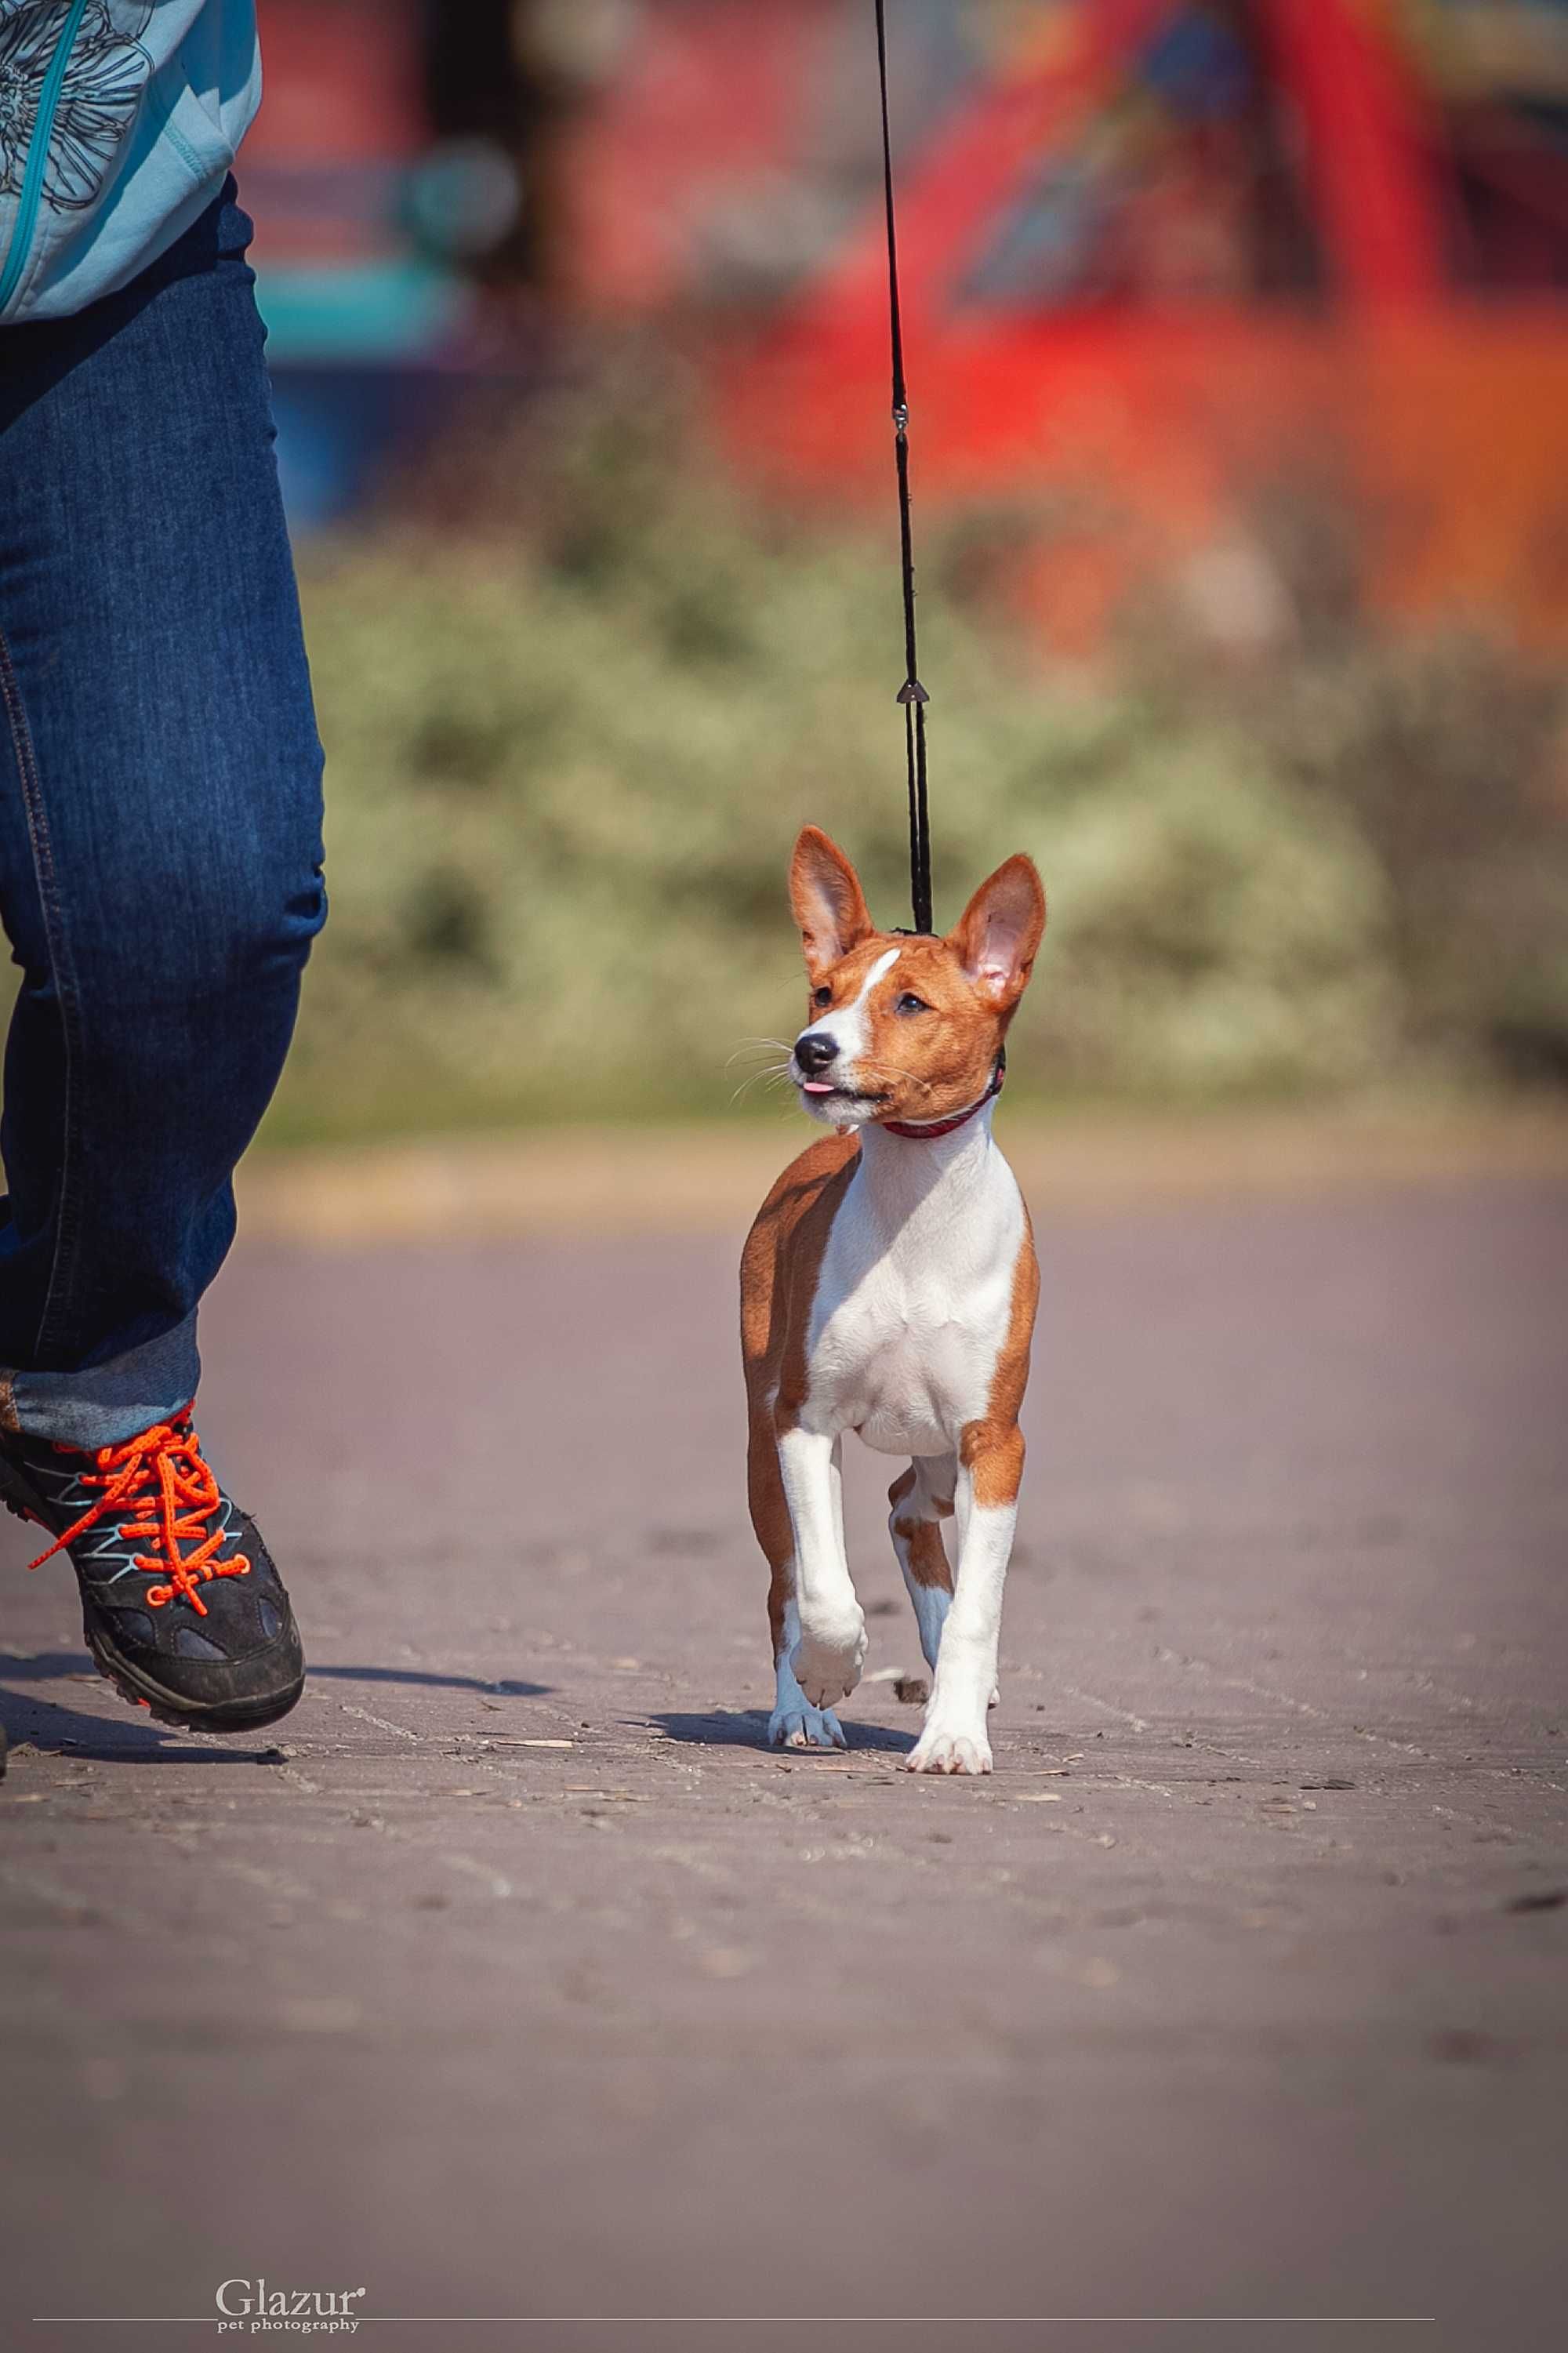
{"type": "Point", "coordinates": [827, 1661]}
{"type": "Point", "coordinates": [801, 1725]}
{"type": "Point", "coordinates": [940, 1750]}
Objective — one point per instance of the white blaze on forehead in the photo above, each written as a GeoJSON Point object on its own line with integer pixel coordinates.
{"type": "Point", "coordinates": [848, 1027]}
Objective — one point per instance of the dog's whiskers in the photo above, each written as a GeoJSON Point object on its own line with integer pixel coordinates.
{"type": "Point", "coordinates": [771, 1074]}
{"type": "Point", "coordinates": [887, 1070]}
{"type": "Point", "coordinates": [758, 1046]}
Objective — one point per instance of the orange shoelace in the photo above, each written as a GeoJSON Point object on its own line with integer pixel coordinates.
{"type": "Point", "coordinates": [163, 1479]}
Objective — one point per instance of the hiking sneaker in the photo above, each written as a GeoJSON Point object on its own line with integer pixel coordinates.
{"type": "Point", "coordinates": [181, 1606]}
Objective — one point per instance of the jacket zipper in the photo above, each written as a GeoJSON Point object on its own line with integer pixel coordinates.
{"type": "Point", "coordinates": [32, 188]}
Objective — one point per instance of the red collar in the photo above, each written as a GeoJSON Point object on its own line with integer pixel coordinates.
{"type": "Point", "coordinates": [945, 1126]}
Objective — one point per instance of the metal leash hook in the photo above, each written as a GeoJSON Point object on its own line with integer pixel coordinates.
{"type": "Point", "coordinates": [911, 694]}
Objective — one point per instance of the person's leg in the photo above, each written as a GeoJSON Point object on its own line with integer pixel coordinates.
{"type": "Point", "coordinates": [160, 880]}
{"type": "Point", "coordinates": [160, 826]}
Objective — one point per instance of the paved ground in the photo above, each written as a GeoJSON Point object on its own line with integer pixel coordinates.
{"type": "Point", "coordinates": [520, 1981]}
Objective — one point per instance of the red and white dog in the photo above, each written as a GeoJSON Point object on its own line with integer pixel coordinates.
{"type": "Point", "coordinates": [888, 1287]}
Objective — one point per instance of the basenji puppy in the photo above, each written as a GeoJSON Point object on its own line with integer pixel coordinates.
{"type": "Point", "coordinates": [888, 1287]}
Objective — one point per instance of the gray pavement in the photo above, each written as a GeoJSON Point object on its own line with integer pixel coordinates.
{"type": "Point", "coordinates": [519, 1987]}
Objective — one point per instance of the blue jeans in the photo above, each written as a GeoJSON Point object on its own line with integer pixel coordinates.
{"type": "Point", "coordinates": [159, 824]}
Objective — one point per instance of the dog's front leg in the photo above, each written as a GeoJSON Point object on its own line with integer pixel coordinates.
{"type": "Point", "coordinates": [954, 1739]}
{"type": "Point", "coordinates": [832, 1647]}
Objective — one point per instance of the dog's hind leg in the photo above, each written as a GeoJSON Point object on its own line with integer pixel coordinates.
{"type": "Point", "coordinates": [920, 1500]}
{"type": "Point", "coordinates": [953, 1738]}
{"type": "Point", "coordinates": [794, 1723]}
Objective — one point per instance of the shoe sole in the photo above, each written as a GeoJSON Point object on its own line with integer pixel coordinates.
{"type": "Point", "coordinates": [165, 1707]}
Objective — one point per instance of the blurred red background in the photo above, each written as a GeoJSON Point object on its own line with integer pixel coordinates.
{"type": "Point", "coordinates": [1168, 263]}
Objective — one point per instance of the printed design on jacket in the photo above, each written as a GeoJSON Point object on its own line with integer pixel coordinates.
{"type": "Point", "coordinates": [105, 75]}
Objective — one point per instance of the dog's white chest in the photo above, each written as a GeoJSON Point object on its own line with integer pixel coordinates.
{"type": "Point", "coordinates": [914, 1304]}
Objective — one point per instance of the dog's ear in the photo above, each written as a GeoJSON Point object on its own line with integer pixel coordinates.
{"type": "Point", "coordinates": [998, 935]}
{"type": "Point", "coordinates": [828, 902]}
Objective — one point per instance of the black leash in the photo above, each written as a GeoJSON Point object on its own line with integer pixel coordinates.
{"type": "Point", "coordinates": [911, 694]}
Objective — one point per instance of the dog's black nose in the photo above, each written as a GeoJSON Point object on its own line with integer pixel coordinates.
{"type": "Point", "coordinates": [814, 1052]}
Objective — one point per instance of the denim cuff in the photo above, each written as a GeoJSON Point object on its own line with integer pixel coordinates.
{"type": "Point", "coordinates": [108, 1403]}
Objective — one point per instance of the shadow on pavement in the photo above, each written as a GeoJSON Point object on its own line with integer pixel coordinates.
{"type": "Point", "coordinates": [748, 1728]}
{"type": "Point", "coordinates": [47, 1727]}
{"type": "Point", "coordinates": [510, 1685]}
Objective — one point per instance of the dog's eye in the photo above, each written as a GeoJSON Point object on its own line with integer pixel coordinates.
{"type": "Point", "coordinates": [822, 996]}
{"type": "Point", "coordinates": [910, 1003]}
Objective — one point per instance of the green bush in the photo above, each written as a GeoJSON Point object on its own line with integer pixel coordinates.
{"type": "Point", "coordinates": [570, 740]}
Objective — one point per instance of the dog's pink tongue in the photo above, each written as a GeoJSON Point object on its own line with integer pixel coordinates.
{"type": "Point", "coordinates": [815, 1087]}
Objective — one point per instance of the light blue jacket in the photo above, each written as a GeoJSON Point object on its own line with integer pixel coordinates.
{"type": "Point", "coordinates": [119, 120]}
